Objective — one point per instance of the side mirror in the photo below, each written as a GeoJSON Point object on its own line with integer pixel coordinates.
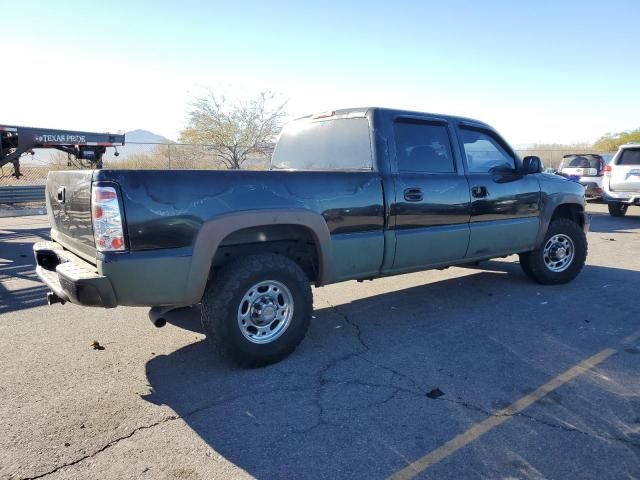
{"type": "Point", "coordinates": [532, 164]}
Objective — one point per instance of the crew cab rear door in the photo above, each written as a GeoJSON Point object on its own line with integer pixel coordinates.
{"type": "Point", "coordinates": [625, 171]}
{"type": "Point", "coordinates": [505, 202]}
{"type": "Point", "coordinates": [431, 209]}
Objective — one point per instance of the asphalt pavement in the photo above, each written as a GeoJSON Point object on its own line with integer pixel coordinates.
{"type": "Point", "coordinates": [460, 373]}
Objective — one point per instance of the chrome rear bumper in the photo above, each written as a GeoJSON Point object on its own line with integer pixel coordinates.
{"type": "Point", "coordinates": [70, 278]}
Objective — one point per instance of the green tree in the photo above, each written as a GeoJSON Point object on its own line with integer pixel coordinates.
{"type": "Point", "coordinates": [233, 130]}
{"type": "Point", "coordinates": [610, 142]}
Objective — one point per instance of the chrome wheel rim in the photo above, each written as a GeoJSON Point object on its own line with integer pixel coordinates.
{"type": "Point", "coordinates": [559, 252]}
{"type": "Point", "coordinates": [265, 311]}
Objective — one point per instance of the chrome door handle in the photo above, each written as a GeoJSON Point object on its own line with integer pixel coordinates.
{"type": "Point", "coordinates": [413, 195]}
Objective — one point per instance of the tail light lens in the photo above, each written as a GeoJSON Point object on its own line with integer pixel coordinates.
{"type": "Point", "coordinates": [107, 219]}
{"type": "Point", "coordinates": [606, 171]}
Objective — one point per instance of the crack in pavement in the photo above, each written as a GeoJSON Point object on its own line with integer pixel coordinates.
{"type": "Point", "coordinates": [421, 391]}
{"type": "Point", "coordinates": [467, 404]}
{"type": "Point", "coordinates": [164, 420]}
{"type": "Point", "coordinates": [321, 381]}
{"type": "Point", "coordinates": [103, 448]}
{"type": "Point", "coordinates": [358, 335]}
{"type": "Point", "coordinates": [317, 401]}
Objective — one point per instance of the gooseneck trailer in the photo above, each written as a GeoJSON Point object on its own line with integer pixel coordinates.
{"type": "Point", "coordinates": [88, 146]}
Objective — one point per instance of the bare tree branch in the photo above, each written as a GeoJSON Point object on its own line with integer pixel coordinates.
{"type": "Point", "coordinates": [234, 129]}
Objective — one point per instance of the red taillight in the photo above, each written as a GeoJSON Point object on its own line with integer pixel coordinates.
{"type": "Point", "coordinates": [117, 243]}
{"type": "Point", "coordinates": [104, 194]}
{"type": "Point", "coordinates": [606, 170]}
{"type": "Point", "coordinates": [107, 219]}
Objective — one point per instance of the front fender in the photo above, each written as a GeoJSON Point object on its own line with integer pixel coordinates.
{"type": "Point", "coordinates": [549, 206]}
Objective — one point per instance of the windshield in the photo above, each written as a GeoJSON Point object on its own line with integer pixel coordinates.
{"type": "Point", "coordinates": [334, 144]}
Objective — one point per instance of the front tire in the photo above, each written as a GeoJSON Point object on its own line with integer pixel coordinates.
{"type": "Point", "coordinates": [256, 310]}
{"type": "Point", "coordinates": [560, 257]}
{"type": "Point", "coordinates": [617, 209]}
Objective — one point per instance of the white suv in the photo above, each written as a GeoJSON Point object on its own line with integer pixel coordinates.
{"type": "Point", "coordinates": [621, 181]}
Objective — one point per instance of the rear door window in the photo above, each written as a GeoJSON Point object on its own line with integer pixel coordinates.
{"type": "Point", "coordinates": [629, 157]}
{"type": "Point", "coordinates": [334, 144]}
{"type": "Point", "coordinates": [423, 147]}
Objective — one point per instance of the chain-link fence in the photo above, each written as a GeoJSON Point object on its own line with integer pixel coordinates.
{"type": "Point", "coordinates": [151, 156]}
{"type": "Point", "coordinates": [147, 156]}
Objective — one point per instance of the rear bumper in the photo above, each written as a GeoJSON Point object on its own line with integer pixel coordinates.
{"type": "Point", "coordinates": [137, 279]}
{"type": "Point", "coordinates": [630, 198]}
{"type": "Point", "coordinates": [591, 188]}
{"type": "Point", "coordinates": [71, 278]}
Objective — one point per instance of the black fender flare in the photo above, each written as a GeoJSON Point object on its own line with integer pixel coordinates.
{"type": "Point", "coordinates": [551, 204]}
{"type": "Point", "coordinates": [214, 231]}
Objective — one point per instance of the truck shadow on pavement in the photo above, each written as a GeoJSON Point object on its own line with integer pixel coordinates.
{"type": "Point", "coordinates": [381, 380]}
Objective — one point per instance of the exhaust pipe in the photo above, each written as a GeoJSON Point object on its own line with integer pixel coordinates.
{"type": "Point", "coordinates": [157, 315]}
{"type": "Point", "coordinates": [52, 298]}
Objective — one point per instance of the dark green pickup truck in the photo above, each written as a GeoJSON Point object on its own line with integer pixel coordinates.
{"type": "Point", "coordinates": [352, 194]}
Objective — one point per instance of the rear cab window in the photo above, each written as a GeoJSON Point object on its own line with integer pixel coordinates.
{"type": "Point", "coordinates": [324, 144]}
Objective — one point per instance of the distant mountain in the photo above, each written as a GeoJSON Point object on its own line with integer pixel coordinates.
{"type": "Point", "coordinates": [138, 142]}
{"type": "Point", "coordinates": [145, 136]}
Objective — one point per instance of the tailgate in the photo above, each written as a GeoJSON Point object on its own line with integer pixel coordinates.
{"type": "Point", "coordinates": [69, 209]}
{"type": "Point", "coordinates": [625, 173]}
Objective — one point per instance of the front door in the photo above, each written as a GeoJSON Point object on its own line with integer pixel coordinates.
{"type": "Point", "coordinates": [505, 202]}
{"type": "Point", "coordinates": [431, 209]}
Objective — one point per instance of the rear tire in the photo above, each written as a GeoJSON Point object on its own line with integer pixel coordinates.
{"type": "Point", "coordinates": [560, 257]}
{"type": "Point", "coordinates": [257, 310]}
{"type": "Point", "coordinates": [617, 209]}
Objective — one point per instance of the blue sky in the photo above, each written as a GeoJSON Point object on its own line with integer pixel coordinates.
{"type": "Point", "coordinates": [544, 71]}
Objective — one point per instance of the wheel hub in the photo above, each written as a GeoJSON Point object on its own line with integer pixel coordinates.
{"type": "Point", "coordinates": [265, 311]}
{"type": "Point", "coordinates": [558, 253]}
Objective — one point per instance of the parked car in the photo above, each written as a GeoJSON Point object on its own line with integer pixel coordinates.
{"type": "Point", "coordinates": [353, 194]}
{"type": "Point", "coordinates": [586, 169]}
{"type": "Point", "coordinates": [622, 180]}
